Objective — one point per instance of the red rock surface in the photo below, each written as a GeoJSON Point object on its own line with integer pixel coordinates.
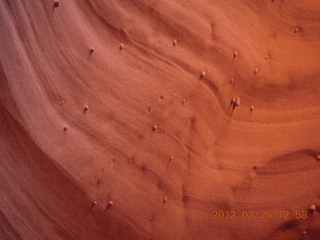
{"type": "Point", "coordinates": [104, 101]}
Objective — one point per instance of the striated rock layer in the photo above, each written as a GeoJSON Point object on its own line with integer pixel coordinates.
{"type": "Point", "coordinates": [137, 119]}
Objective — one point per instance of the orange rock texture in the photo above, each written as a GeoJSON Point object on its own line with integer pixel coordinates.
{"type": "Point", "coordinates": [145, 119]}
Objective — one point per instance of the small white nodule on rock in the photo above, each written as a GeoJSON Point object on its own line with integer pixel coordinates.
{"type": "Point", "coordinates": [237, 102]}
{"type": "Point", "coordinates": [110, 204]}
{"type": "Point", "coordinates": [313, 207]}
{"type": "Point", "coordinates": [235, 54]}
{"type": "Point", "coordinates": [165, 199]}
{"type": "Point", "coordinates": [175, 42]}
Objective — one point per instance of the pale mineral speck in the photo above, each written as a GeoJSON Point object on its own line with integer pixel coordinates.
{"type": "Point", "coordinates": [110, 204]}
{"type": "Point", "coordinates": [175, 42]}
{"type": "Point", "coordinates": [165, 199]}
{"type": "Point", "coordinates": [237, 102]}
{"type": "Point", "coordinates": [235, 54]}
{"type": "Point", "coordinates": [313, 207]}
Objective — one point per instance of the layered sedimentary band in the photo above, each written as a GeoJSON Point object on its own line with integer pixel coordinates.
{"type": "Point", "coordinates": [138, 119]}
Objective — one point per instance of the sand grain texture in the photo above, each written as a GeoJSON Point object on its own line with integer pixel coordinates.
{"type": "Point", "coordinates": [110, 129]}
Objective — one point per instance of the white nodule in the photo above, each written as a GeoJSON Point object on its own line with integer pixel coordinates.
{"type": "Point", "coordinates": [313, 207]}
{"type": "Point", "coordinates": [175, 42]}
{"type": "Point", "coordinates": [165, 199]}
{"type": "Point", "coordinates": [237, 102]}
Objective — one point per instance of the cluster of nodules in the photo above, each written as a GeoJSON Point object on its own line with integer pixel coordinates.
{"type": "Point", "coordinates": [256, 70]}
{"type": "Point", "coordinates": [84, 110]}
{"type": "Point", "coordinates": [92, 49]}
{"type": "Point", "coordinates": [312, 208]}
{"type": "Point", "coordinates": [235, 102]}
{"type": "Point", "coordinates": [109, 204]}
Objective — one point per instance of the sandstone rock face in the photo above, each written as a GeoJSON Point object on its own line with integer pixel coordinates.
{"type": "Point", "coordinates": [159, 154]}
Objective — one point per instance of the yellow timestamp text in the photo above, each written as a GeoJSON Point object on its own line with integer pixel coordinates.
{"type": "Point", "coordinates": [260, 214]}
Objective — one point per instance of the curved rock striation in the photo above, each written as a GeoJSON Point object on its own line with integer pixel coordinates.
{"type": "Point", "coordinates": [122, 119]}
